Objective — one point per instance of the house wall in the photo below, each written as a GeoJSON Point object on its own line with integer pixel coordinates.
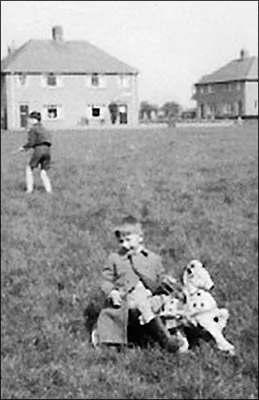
{"type": "Point", "coordinates": [3, 103]}
{"type": "Point", "coordinates": [73, 97]}
{"type": "Point", "coordinates": [11, 102]}
{"type": "Point", "coordinates": [220, 99]}
{"type": "Point", "coordinates": [251, 98]}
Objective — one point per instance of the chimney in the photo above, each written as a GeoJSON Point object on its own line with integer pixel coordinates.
{"type": "Point", "coordinates": [11, 49]}
{"type": "Point", "coordinates": [57, 33]}
{"type": "Point", "coordinates": [243, 54]}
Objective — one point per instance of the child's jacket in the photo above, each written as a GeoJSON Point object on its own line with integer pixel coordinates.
{"type": "Point", "coordinates": [123, 272]}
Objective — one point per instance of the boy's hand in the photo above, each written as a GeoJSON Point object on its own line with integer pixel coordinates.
{"type": "Point", "coordinates": [168, 279]}
{"type": "Point", "coordinates": [115, 297]}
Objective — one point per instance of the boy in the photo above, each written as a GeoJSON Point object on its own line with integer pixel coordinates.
{"type": "Point", "coordinates": [130, 277]}
{"type": "Point", "coordinates": [39, 140]}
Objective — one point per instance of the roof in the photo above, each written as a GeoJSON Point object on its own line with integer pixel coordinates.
{"type": "Point", "coordinates": [237, 70]}
{"type": "Point", "coordinates": [38, 56]}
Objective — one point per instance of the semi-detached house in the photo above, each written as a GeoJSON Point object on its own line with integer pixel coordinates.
{"type": "Point", "coordinates": [231, 91]}
{"type": "Point", "coordinates": [72, 83]}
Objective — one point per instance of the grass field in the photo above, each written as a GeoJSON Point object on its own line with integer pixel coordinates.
{"type": "Point", "coordinates": [196, 192]}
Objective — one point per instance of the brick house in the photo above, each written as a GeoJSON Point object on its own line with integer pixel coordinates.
{"type": "Point", "coordinates": [230, 91]}
{"type": "Point", "coordinates": [72, 83]}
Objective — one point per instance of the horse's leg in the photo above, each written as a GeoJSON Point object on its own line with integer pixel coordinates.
{"type": "Point", "coordinates": [210, 324]}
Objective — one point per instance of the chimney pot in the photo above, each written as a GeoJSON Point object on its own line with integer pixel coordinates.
{"type": "Point", "coordinates": [11, 49]}
{"type": "Point", "coordinates": [243, 54]}
{"type": "Point", "coordinates": [57, 33]}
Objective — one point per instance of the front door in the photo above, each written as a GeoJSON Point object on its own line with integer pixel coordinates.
{"type": "Point", "coordinates": [24, 112]}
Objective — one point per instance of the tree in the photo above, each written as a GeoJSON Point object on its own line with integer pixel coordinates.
{"type": "Point", "coordinates": [146, 110]}
{"type": "Point", "coordinates": [171, 109]}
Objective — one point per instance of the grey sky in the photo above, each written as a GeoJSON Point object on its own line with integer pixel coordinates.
{"type": "Point", "coordinates": [171, 43]}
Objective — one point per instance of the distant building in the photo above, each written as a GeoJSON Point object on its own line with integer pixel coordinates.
{"type": "Point", "coordinates": [231, 91]}
{"type": "Point", "coordinates": [72, 83]}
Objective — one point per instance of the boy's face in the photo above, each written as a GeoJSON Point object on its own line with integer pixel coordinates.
{"type": "Point", "coordinates": [32, 121]}
{"type": "Point", "coordinates": [130, 242]}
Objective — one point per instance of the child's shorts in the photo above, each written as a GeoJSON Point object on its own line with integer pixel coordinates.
{"type": "Point", "coordinates": [40, 156]}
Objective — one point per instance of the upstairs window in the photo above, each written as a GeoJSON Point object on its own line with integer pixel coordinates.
{"type": "Point", "coordinates": [22, 80]}
{"type": "Point", "coordinates": [124, 81]}
{"type": "Point", "coordinates": [96, 81]}
{"type": "Point", "coordinates": [52, 80]}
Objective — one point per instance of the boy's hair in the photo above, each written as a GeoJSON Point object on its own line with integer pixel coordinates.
{"type": "Point", "coordinates": [128, 225]}
{"type": "Point", "coordinates": [35, 115]}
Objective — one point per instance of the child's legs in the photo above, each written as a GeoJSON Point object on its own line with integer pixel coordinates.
{"type": "Point", "coordinates": [29, 179]}
{"type": "Point", "coordinates": [140, 299]}
{"type": "Point", "coordinates": [45, 180]}
{"type": "Point", "coordinates": [45, 166]}
{"type": "Point", "coordinates": [33, 163]}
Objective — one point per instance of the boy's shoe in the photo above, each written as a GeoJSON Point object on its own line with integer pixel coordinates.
{"type": "Point", "coordinates": [95, 338]}
{"type": "Point", "coordinates": [172, 343]}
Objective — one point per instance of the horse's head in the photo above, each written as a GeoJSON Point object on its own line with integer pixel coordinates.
{"type": "Point", "coordinates": [196, 276]}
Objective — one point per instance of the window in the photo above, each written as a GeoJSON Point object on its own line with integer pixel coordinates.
{"type": "Point", "coordinates": [124, 81]}
{"type": "Point", "coordinates": [22, 80]}
{"type": "Point", "coordinates": [228, 108]}
{"type": "Point", "coordinates": [227, 87]}
{"type": "Point", "coordinates": [96, 111]}
{"type": "Point", "coordinates": [52, 112]}
{"type": "Point", "coordinates": [96, 81]}
{"type": "Point", "coordinates": [52, 81]}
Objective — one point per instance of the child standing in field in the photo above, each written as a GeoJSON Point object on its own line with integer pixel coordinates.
{"type": "Point", "coordinates": [39, 140]}
{"type": "Point", "coordinates": [130, 277]}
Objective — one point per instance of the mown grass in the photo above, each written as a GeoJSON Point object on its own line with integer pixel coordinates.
{"type": "Point", "coordinates": [196, 192]}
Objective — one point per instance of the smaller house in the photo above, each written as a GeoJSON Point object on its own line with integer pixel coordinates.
{"type": "Point", "coordinates": [231, 91]}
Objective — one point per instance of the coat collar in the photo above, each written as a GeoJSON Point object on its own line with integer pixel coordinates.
{"type": "Point", "coordinates": [124, 254]}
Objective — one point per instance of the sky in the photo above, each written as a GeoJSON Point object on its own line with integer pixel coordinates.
{"type": "Point", "coordinates": [171, 43]}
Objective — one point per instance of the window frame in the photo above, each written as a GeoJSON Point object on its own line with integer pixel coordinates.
{"type": "Point", "coordinates": [90, 111]}
{"type": "Point", "coordinates": [101, 79]}
{"type": "Point", "coordinates": [46, 111]}
{"type": "Point", "coordinates": [58, 78]}
{"type": "Point", "coordinates": [20, 84]}
{"type": "Point", "coordinates": [124, 81]}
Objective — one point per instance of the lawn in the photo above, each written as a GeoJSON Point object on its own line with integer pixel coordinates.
{"type": "Point", "coordinates": [196, 193]}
